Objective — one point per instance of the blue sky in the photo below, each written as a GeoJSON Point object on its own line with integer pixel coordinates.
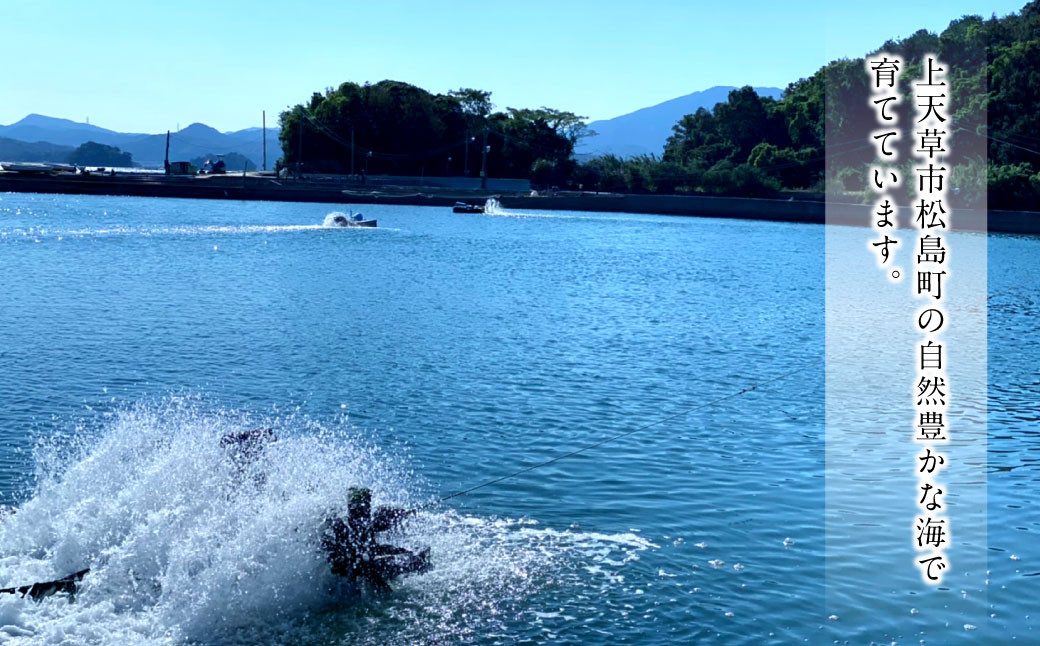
{"type": "Point", "coordinates": [147, 66]}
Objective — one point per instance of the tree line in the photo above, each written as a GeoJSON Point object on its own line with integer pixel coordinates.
{"type": "Point", "coordinates": [396, 128]}
{"type": "Point", "coordinates": [752, 145]}
{"type": "Point", "coordinates": [747, 145]}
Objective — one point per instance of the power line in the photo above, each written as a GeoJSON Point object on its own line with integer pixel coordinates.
{"type": "Point", "coordinates": [1000, 141]}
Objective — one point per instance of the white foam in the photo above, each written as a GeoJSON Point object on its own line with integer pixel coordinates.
{"type": "Point", "coordinates": [183, 548]}
{"type": "Point", "coordinates": [157, 231]}
{"type": "Point", "coordinates": [330, 219]}
{"type": "Point", "coordinates": [493, 207]}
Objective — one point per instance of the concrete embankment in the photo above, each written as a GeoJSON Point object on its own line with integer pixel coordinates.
{"type": "Point", "coordinates": [237, 187]}
{"type": "Point", "coordinates": [777, 210]}
{"type": "Point", "coordinates": [728, 207]}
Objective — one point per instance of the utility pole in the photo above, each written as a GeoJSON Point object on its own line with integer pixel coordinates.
{"type": "Point", "coordinates": [166, 164]}
{"type": "Point", "coordinates": [483, 161]}
{"type": "Point", "coordinates": [299, 150]}
{"type": "Point", "coordinates": [264, 121]}
{"type": "Point", "coordinates": [364, 172]}
{"type": "Point", "coordinates": [352, 150]}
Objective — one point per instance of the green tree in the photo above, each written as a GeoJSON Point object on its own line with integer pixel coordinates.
{"type": "Point", "coordinates": [94, 154]}
{"type": "Point", "coordinates": [401, 129]}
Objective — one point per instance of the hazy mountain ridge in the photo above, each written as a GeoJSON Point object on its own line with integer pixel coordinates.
{"type": "Point", "coordinates": [63, 132]}
{"type": "Point", "coordinates": [39, 134]}
{"type": "Point", "coordinates": [643, 131]}
{"type": "Point", "coordinates": [646, 130]}
{"type": "Point", "coordinates": [33, 151]}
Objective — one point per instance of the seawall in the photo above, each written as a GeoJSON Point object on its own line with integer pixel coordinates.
{"type": "Point", "coordinates": [237, 187]}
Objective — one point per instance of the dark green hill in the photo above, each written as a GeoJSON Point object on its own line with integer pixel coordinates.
{"type": "Point", "coordinates": [753, 145]}
{"type": "Point", "coordinates": [37, 151]}
{"type": "Point", "coordinates": [94, 154]}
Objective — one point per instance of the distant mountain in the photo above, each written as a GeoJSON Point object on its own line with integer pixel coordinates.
{"type": "Point", "coordinates": [641, 132]}
{"type": "Point", "coordinates": [37, 127]}
{"type": "Point", "coordinates": [645, 131]}
{"type": "Point", "coordinates": [147, 150]}
{"type": "Point", "coordinates": [200, 139]}
{"type": "Point", "coordinates": [36, 151]}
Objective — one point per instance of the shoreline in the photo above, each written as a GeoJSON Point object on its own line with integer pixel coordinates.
{"type": "Point", "coordinates": [262, 188]}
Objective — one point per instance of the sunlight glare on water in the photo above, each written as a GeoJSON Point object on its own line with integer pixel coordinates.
{"type": "Point", "coordinates": [426, 356]}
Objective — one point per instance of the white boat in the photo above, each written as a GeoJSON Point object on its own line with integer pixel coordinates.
{"type": "Point", "coordinates": [25, 167]}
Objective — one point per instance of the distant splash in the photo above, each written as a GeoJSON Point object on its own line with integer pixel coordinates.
{"type": "Point", "coordinates": [201, 230]}
{"type": "Point", "coordinates": [40, 233]}
{"type": "Point", "coordinates": [182, 551]}
{"type": "Point", "coordinates": [493, 207]}
{"type": "Point", "coordinates": [330, 219]}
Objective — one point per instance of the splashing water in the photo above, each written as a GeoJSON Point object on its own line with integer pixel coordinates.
{"type": "Point", "coordinates": [330, 219]}
{"type": "Point", "coordinates": [185, 546]}
{"type": "Point", "coordinates": [492, 207]}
